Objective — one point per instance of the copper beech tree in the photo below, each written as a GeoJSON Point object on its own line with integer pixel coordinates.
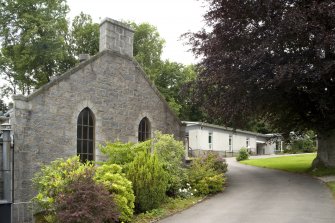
{"type": "Point", "coordinates": [272, 60]}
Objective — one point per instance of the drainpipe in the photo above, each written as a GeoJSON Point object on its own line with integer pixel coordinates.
{"type": "Point", "coordinates": [7, 183]}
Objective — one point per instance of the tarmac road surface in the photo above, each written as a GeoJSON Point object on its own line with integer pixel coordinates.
{"type": "Point", "coordinates": [259, 195]}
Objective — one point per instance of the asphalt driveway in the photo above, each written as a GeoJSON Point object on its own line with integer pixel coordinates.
{"type": "Point", "coordinates": [258, 195]}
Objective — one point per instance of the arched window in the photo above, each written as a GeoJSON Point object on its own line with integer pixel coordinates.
{"type": "Point", "coordinates": [85, 135]}
{"type": "Point", "coordinates": [144, 130]}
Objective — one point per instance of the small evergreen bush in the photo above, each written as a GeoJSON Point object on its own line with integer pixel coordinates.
{"type": "Point", "coordinates": [111, 176]}
{"type": "Point", "coordinates": [243, 154]}
{"type": "Point", "coordinates": [149, 181]}
{"type": "Point", "coordinates": [85, 201]}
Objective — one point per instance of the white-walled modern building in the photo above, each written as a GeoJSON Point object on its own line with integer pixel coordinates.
{"type": "Point", "coordinates": [203, 137]}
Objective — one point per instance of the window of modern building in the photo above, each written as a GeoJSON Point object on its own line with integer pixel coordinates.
{"type": "Point", "coordinates": [247, 142]}
{"type": "Point", "coordinates": [85, 135]}
{"type": "Point", "coordinates": [230, 143]}
{"type": "Point", "coordinates": [144, 130]}
{"type": "Point", "coordinates": [210, 140]}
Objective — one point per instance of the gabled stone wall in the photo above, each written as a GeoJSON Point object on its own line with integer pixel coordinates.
{"type": "Point", "coordinates": [112, 85]}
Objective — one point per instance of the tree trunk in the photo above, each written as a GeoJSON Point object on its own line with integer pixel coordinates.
{"type": "Point", "coordinates": [326, 150]}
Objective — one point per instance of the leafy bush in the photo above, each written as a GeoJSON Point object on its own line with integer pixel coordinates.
{"type": "Point", "coordinates": [52, 179]}
{"type": "Point", "coordinates": [149, 181]}
{"type": "Point", "coordinates": [216, 162]}
{"type": "Point", "coordinates": [203, 176]}
{"type": "Point", "coordinates": [85, 201]}
{"type": "Point", "coordinates": [243, 154]}
{"type": "Point", "coordinates": [171, 153]}
{"type": "Point", "coordinates": [118, 152]}
{"type": "Point", "coordinates": [111, 176]}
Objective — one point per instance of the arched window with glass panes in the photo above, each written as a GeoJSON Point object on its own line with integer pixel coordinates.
{"type": "Point", "coordinates": [85, 135]}
{"type": "Point", "coordinates": [144, 130]}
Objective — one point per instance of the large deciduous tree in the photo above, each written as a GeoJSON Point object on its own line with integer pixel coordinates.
{"type": "Point", "coordinates": [33, 41]}
{"type": "Point", "coordinates": [273, 60]}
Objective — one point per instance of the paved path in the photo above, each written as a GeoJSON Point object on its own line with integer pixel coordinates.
{"type": "Point", "coordinates": [258, 195]}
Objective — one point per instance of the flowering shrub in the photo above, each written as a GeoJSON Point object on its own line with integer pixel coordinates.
{"type": "Point", "coordinates": [186, 192]}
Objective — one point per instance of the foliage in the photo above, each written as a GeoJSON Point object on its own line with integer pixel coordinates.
{"type": "Point", "coordinates": [118, 152]}
{"type": "Point", "coordinates": [3, 106]}
{"type": "Point", "coordinates": [171, 206]}
{"type": "Point", "coordinates": [84, 35]}
{"type": "Point", "coordinates": [53, 179]}
{"type": "Point", "coordinates": [170, 80]}
{"type": "Point", "coordinates": [111, 176]}
{"type": "Point", "coordinates": [186, 192]}
{"type": "Point", "coordinates": [243, 154]}
{"type": "Point", "coordinates": [305, 143]}
{"type": "Point", "coordinates": [216, 162]}
{"type": "Point", "coordinates": [149, 181]}
{"type": "Point", "coordinates": [204, 178]}
{"type": "Point", "coordinates": [85, 201]}
{"type": "Point", "coordinates": [171, 153]}
{"type": "Point", "coordinates": [282, 50]}
{"type": "Point", "coordinates": [148, 48]}
{"type": "Point", "coordinates": [33, 46]}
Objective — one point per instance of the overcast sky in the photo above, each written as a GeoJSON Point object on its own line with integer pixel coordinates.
{"type": "Point", "coordinates": [171, 17]}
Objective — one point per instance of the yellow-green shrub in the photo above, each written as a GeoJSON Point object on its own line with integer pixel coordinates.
{"type": "Point", "coordinates": [52, 179]}
{"type": "Point", "coordinates": [111, 176]}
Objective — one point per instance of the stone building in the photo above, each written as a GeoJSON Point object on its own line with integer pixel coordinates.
{"type": "Point", "coordinates": [104, 98]}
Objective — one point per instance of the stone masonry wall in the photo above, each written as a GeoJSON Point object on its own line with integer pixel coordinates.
{"type": "Point", "coordinates": [45, 124]}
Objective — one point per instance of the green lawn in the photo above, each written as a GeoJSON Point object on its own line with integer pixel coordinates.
{"type": "Point", "coordinates": [298, 164]}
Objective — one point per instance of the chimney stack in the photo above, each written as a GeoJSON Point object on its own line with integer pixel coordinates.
{"type": "Point", "coordinates": [116, 36]}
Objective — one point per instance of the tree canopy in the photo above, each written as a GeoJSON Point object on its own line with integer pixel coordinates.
{"type": "Point", "coordinates": [37, 42]}
{"type": "Point", "coordinates": [273, 60]}
{"type": "Point", "coordinates": [33, 41]}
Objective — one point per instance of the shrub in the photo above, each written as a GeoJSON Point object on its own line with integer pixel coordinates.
{"type": "Point", "coordinates": [85, 201]}
{"type": "Point", "coordinates": [111, 176]}
{"type": "Point", "coordinates": [171, 153]}
{"type": "Point", "coordinates": [52, 179]}
{"type": "Point", "coordinates": [118, 152]}
{"type": "Point", "coordinates": [216, 162]}
{"type": "Point", "coordinates": [149, 181]}
{"type": "Point", "coordinates": [186, 192]}
{"type": "Point", "coordinates": [204, 178]}
{"type": "Point", "coordinates": [243, 154]}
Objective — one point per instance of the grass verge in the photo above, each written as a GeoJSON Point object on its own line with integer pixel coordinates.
{"type": "Point", "coordinates": [171, 207]}
{"type": "Point", "coordinates": [296, 164]}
